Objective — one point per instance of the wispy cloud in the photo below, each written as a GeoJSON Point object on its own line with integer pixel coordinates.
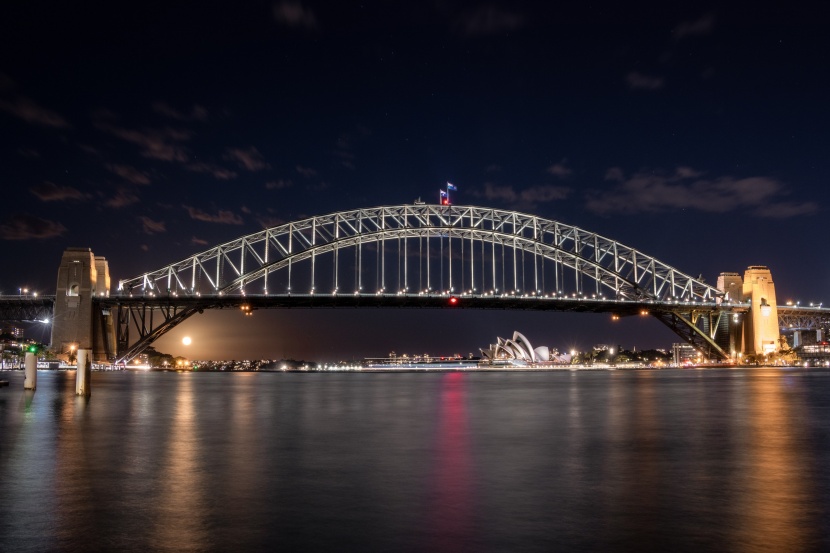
{"type": "Point", "coordinates": [198, 241]}
{"type": "Point", "coordinates": [307, 172]}
{"type": "Point", "coordinates": [27, 110]}
{"type": "Point", "coordinates": [269, 222]}
{"type": "Point", "coordinates": [248, 158]}
{"type": "Point", "coordinates": [278, 184]}
{"type": "Point", "coordinates": [222, 216]}
{"type": "Point", "coordinates": [6, 82]}
{"type": "Point", "coordinates": [294, 14]}
{"type": "Point", "coordinates": [197, 113]}
{"type": "Point", "coordinates": [27, 227]}
{"type": "Point", "coordinates": [656, 191]}
{"type": "Point", "coordinates": [151, 226]}
{"type": "Point", "coordinates": [219, 173]}
{"type": "Point", "coordinates": [702, 26]}
{"type": "Point", "coordinates": [51, 192]}
{"type": "Point", "coordinates": [560, 170]}
{"type": "Point", "coordinates": [163, 144]}
{"type": "Point", "coordinates": [129, 174]}
{"type": "Point", "coordinates": [527, 198]}
{"type": "Point", "coordinates": [641, 81]}
{"type": "Point", "coordinates": [123, 197]}
{"type": "Point", "coordinates": [490, 20]}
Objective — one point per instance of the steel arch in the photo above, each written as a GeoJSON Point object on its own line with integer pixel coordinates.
{"type": "Point", "coordinates": [233, 266]}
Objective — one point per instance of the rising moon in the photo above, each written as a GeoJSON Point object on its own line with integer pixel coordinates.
{"type": "Point", "coordinates": [186, 340]}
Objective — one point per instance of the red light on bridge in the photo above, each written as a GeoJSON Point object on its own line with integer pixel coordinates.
{"type": "Point", "coordinates": [453, 300]}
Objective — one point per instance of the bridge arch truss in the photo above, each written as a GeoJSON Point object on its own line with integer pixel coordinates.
{"type": "Point", "coordinates": [423, 250]}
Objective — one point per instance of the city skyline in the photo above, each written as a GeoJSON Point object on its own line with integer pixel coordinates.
{"type": "Point", "coordinates": [692, 134]}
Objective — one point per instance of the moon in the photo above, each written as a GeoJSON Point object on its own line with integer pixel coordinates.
{"type": "Point", "coordinates": [186, 340]}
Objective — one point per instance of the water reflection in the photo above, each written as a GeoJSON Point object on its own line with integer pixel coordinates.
{"type": "Point", "coordinates": [777, 504]}
{"type": "Point", "coordinates": [453, 477]}
{"type": "Point", "coordinates": [178, 522]}
{"type": "Point", "coordinates": [714, 460]}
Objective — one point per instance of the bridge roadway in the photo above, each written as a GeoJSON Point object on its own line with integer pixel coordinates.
{"type": "Point", "coordinates": [40, 308]}
{"type": "Point", "coordinates": [149, 316]}
{"type": "Point", "coordinates": [462, 301]}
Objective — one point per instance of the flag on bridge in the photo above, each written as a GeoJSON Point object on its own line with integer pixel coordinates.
{"type": "Point", "coordinates": [451, 187]}
{"type": "Point", "coordinates": [443, 199]}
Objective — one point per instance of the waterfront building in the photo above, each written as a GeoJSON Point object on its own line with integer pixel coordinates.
{"type": "Point", "coordinates": [517, 349]}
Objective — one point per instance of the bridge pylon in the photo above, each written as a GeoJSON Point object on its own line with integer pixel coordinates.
{"type": "Point", "coordinates": [761, 328]}
{"type": "Point", "coordinates": [76, 323]}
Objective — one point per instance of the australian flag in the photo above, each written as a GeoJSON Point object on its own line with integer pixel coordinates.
{"type": "Point", "coordinates": [451, 187]}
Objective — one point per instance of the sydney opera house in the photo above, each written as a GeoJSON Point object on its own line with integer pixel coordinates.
{"type": "Point", "coordinates": [517, 350]}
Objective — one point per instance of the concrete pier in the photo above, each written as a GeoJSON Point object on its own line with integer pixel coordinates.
{"type": "Point", "coordinates": [83, 376]}
{"type": "Point", "coordinates": [30, 377]}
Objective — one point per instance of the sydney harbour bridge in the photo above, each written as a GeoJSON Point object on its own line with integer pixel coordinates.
{"type": "Point", "coordinates": [420, 255]}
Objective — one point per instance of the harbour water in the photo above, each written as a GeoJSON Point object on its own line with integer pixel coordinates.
{"type": "Point", "coordinates": [669, 460]}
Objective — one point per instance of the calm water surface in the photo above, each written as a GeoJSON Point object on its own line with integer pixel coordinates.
{"type": "Point", "coordinates": [673, 460]}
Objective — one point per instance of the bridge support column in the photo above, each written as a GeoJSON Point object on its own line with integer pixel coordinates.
{"type": "Point", "coordinates": [76, 323]}
{"type": "Point", "coordinates": [796, 338]}
{"type": "Point", "coordinates": [30, 377]}
{"type": "Point", "coordinates": [83, 376]}
{"type": "Point", "coordinates": [761, 330]}
{"type": "Point", "coordinates": [819, 336]}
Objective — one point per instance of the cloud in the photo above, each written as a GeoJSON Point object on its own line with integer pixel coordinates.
{"type": "Point", "coordinates": [278, 184]}
{"type": "Point", "coordinates": [293, 14]}
{"type": "Point", "coordinates": [6, 82]}
{"type": "Point", "coordinates": [702, 26]}
{"type": "Point", "coordinates": [121, 199]}
{"type": "Point", "coordinates": [307, 172]}
{"type": "Point", "coordinates": [29, 111]}
{"type": "Point", "coordinates": [654, 192]}
{"type": "Point", "coordinates": [528, 198]}
{"type": "Point", "coordinates": [249, 159]}
{"type": "Point", "coordinates": [26, 227]}
{"type": "Point", "coordinates": [163, 144]}
{"type": "Point", "coordinates": [91, 150]}
{"type": "Point", "coordinates": [640, 81]}
{"type": "Point", "coordinates": [615, 173]}
{"type": "Point", "coordinates": [129, 174]}
{"type": "Point", "coordinates": [560, 170]}
{"type": "Point", "coordinates": [219, 173]}
{"type": "Point", "coordinates": [199, 241]}
{"type": "Point", "coordinates": [51, 192]}
{"type": "Point", "coordinates": [269, 222]}
{"type": "Point", "coordinates": [197, 113]}
{"type": "Point", "coordinates": [28, 153]}
{"type": "Point", "coordinates": [223, 216]}
{"type": "Point", "coordinates": [152, 227]}
{"type": "Point", "coordinates": [490, 20]}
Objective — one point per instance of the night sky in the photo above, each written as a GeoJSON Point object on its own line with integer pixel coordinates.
{"type": "Point", "coordinates": [149, 131]}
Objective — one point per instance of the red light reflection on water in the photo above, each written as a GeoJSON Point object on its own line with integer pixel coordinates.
{"type": "Point", "coordinates": [452, 479]}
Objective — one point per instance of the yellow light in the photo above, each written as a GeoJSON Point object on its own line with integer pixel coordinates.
{"type": "Point", "coordinates": [186, 340]}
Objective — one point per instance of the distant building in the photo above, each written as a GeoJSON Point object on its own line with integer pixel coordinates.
{"type": "Point", "coordinates": [517, 349]}
{"type": "Point", "coordinates": [15, 331]}
{"type": "Point", "coordinates": [683, 353]}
